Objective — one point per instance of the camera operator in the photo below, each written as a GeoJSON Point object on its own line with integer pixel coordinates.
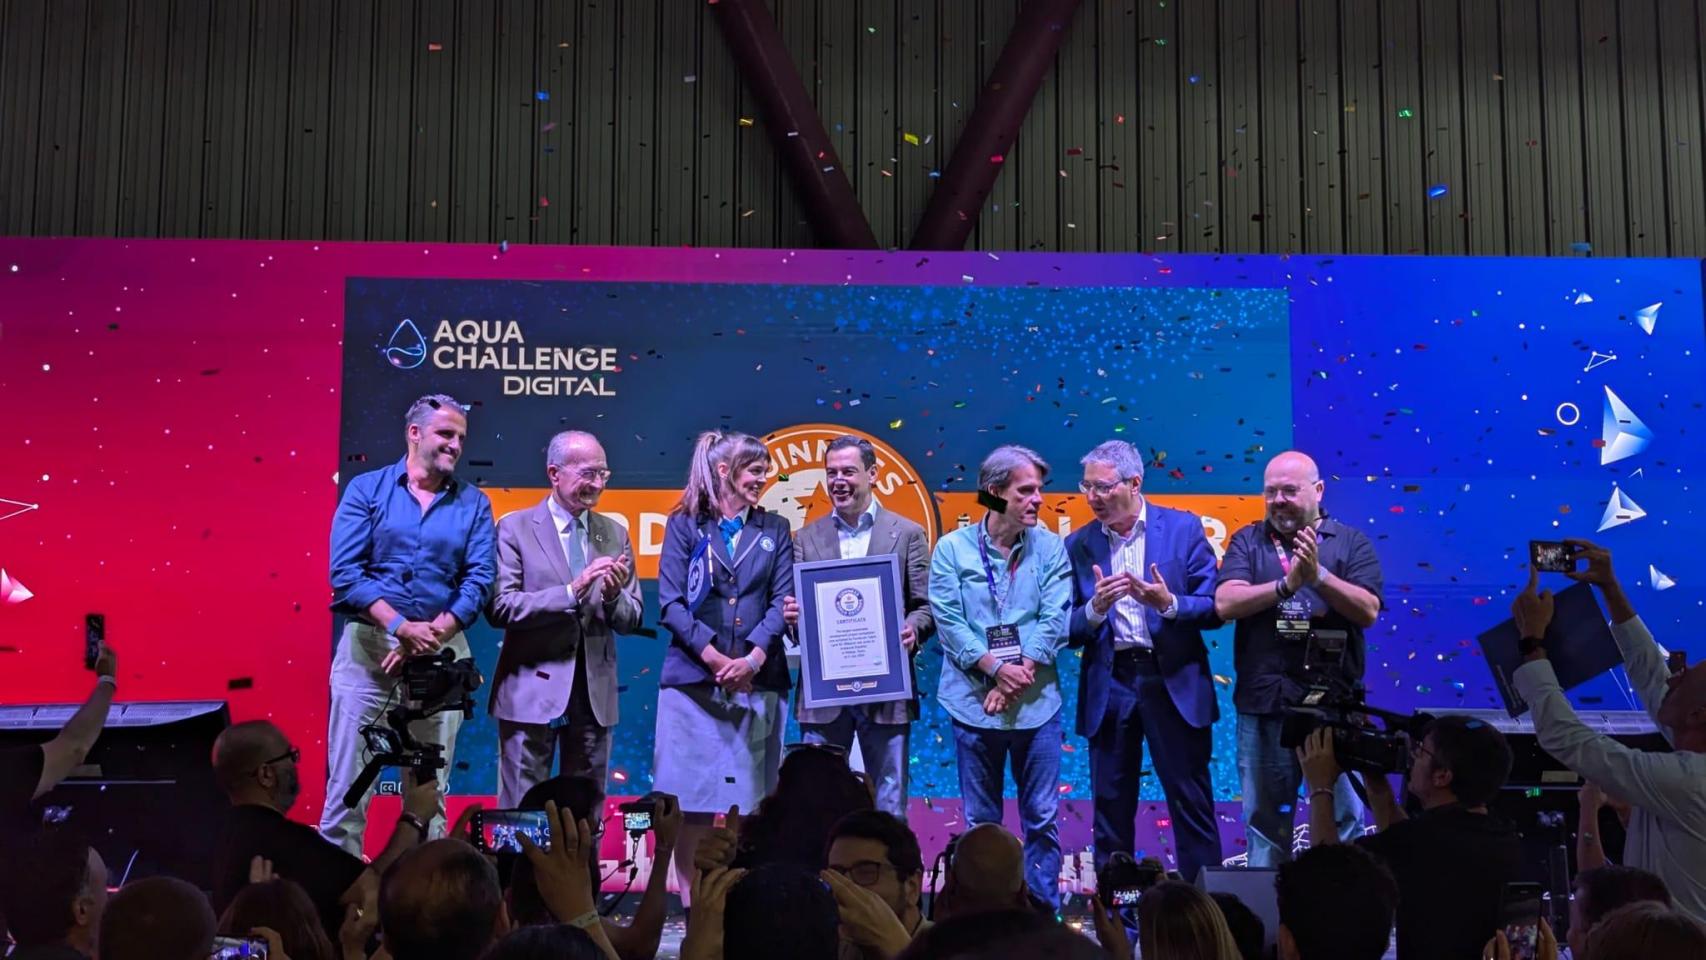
{"type": "Point", "coordinates": [1667, 825]}
{"type": "Point", "coordinates": [1452, 861]}
{"type": "Point", "coordinates": [1289, 581]}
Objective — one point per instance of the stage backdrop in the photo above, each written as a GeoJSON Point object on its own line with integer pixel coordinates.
{"type": "Point", "coordinates": [182, 416]}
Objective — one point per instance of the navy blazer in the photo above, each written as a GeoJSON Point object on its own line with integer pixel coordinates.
{"type": "Point", "coordinates": [743, 606]}
{"type": "Point", "coordinates": [1174, 541]}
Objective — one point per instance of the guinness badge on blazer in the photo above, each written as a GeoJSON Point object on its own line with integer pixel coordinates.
{"type": "Point", "coordinates": [698, 580]}
{"type": "Point", "coordinates": [767, 545]}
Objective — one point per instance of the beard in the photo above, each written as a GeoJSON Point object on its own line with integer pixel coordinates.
{"type": "Point", "coordinates": [288, 789]}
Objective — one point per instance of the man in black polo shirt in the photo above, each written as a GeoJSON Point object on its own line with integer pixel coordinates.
{"type": "Point", "coordinates": [1302, 588]}
{"type": "Point", "coordinates": [256, 767]}
{"type": "Point", "coordinates": [1453, 861]}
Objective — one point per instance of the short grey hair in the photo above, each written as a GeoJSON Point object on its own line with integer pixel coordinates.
{"type": "Point", "coordinates": [997, 469]}
{"type": "Point", "coordinates": [1118, 454]}
{"type": "Point", "coordinates": [557, 452]}
{"type": "Point", "coordinates": [422, 410]}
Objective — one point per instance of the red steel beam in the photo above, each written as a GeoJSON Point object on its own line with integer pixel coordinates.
{"type": "Point", "coordinates": [791, 119]}
{"type": "Point", "coordinates": [994, 125]}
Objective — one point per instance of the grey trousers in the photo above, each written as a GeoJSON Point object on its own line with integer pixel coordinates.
{"type": "Point", "coordinates": [581, 745]}
{"type": "Point", "coordinates": [360, 690]}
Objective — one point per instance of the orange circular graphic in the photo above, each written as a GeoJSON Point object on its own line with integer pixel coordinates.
{"type": "Point", "coordinates": [796, 488]}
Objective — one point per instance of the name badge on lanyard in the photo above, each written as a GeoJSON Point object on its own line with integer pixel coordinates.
{"type": "Point", "coordinates": [1291, 615]}
{"type": "Point", "coordinates": [1003, 638]}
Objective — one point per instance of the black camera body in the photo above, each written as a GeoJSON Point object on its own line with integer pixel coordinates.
{"type": "Point", "coordinates": [431, 684]}
{"type": "Point", "coordinates": [1357, 743]}
{"type": "Point", "coordinates": [440, 678]}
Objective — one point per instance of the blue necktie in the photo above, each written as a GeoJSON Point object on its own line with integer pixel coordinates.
{"type": "Point", "coordinates": [730, 527]}
{"type": "Point", "coordinates": [577, 551]}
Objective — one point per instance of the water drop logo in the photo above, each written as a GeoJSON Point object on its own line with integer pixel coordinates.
{"type": "Point", "coordinates": [406, 349]}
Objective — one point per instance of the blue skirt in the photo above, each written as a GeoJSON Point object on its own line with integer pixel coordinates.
{"type": "Point", "coordinates": [714, 750]}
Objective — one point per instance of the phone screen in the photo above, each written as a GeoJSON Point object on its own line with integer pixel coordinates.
{"type": "Point", "coordinates": [498, 829]}
{"type": "Point", "coordinates": [230, 948]}
{"type": "Point", "coordinates": [636, 821]}
{"type": "Point", "coordinates": [1551, 556]}
{"type": "Point", "coordinates": [1519, 917]}
{"type": "Point", "coordinates": [94, 634]}
{"type": "Point", "coordinates": [1125, 896]}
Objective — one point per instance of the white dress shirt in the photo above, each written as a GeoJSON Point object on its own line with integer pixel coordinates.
{"type": "Point", "coordinates": [569, 527]}
{"type": "Point", "coordinates": [1667, 791]}
{"type": "Point", "coordinates": [1125, 555]}
{"type": "Point", "coordinates": [855, 539]}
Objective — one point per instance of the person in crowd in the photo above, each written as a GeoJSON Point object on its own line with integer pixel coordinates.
{"type": "Point", "coordinates": [1545, 946]}
{"type": "Point", "coordinates": [412, 561]}
{"type": "Point", "coordinates": [877, 851]}
{"type": "Point", "coordinates": [565, 588]}
{"type": "Point", "coordinates": [1603, 889]}
{"type": "Point", "coordinates": [553, 941]}
{"type": "Point", "coordinates": [976, 934]}
{"type": "Point", "coordinates": [440, 901]}
{"type": "Point", "coordinates": [1667, 791]}
{"type": "Point", "coordinates": [725, 568]}
{"type": "Point", "coordinates": [987, 874]}
{"type": "Point", "coordinates": [53, 890]}
{"type": "Point", "coordinates": [1452, 861]}
{"type": "Point", "coordinates": [859, 527]}
{"type": "Point", "coordinates": [256, 766]}
{"type": "Point", "coordinates": [1302, 587]}
{"type": "Point", "coordinates": [565, 872]}
{"type": "Point", "coordinates": [1336, 902]}
{"type": "Point", "coordinates": [28, 772]}
{"type": "Point", "coordinates": [1590, 802]}
{"type": "Point", "coordinates": [580, 798]}
{"type": "Point", "coordinates": [1646, 931]}
{"type": "Point", "coordinates": [1177, 921]}
{"type": "Point", "coordinates": [158, 918]}
{"type": "Point", "coordinates": [776, 908]}
{"type": "Point", "coordinates": [814, 790]}
{"type": "Point", "coordinates": [999, 590]}
{"type": "Point", "coordinates": [282, 908]}
{"type": "Point", "coordinates": [1247, 928]}
{"type": "Point", "coordinates": [1142, 594]}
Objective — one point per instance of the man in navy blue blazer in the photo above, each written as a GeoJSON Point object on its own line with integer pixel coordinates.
{"type": "Point", "coordinates": [1142, 594]}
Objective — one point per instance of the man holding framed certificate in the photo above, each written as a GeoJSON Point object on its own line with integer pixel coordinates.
{"type": "Point", "coordinates": [848, 566]}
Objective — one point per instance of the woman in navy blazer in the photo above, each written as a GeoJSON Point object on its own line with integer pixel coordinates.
{"type": "Point", "coordinates": [725, 568]}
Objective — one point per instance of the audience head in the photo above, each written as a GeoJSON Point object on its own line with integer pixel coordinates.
{"type": "Point", "coordinates": [1337, 902]}
{"type": "Point", "coordinates": [1602, 890]}
{"type": "Point", "coordinates": [1247, 928]}
{"type": "Point", "coordinates": [254, 763]}
{"type": "Point", "coordinates": [988, 873]}
{"type": "Point", "coordinates": [814, 789]}
{"type": "Point", "coordinates": [575, 795]}
{"type": "Point", "coordinates": [440, 901]}
{"type": "Point", "coordinates": [1459, 760]}
{"type": "Point", "coordinates": [53, 890]}
{"type": "Point", "coordinates": [1646, 931]}
{"type": "Point", "coordinates": [549, 941]}
{"type": "Point", "coordinates": [879, 852]}
{"type": "Point", "coordinates": [972, 934]}
{"type": "Point", "coordinates": [160, 918]}
{"type": "Point", "coordinates": [1176, 921]}
{"type": "Point", "coordinates": [781, 903]}
{"type": "Point", "coordinates": [283, 907]}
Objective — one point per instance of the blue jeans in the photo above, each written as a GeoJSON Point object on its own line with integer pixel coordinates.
{"type": "Point", "coordinates": [1271, 776]}
{"type": "Point", "coordinates": [882, 745]}
{"type": "Point", "coordinates": [983, 757]}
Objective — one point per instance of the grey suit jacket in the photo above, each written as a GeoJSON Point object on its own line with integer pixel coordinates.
{"type": "Point", "coordinates": [891, 533]}
{"type": "Point", "coordinates": [545, 630]}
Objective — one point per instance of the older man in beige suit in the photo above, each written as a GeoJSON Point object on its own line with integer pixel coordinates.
{"type": "Point", "coordinates": [565, 588]}
{"type": "Point", "coordinates": [859, 527]}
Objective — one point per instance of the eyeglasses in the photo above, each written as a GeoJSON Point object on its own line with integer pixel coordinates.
{"type": "Point", "coordinates": [293, 754]}
{"type": "Point", "coordinates": [865, 873]}
{"type": "Point", "coordinates": [595, 473]}
{"type": "Point", "coordinates": [1102, 489]}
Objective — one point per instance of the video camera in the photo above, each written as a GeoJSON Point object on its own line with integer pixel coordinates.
{"type": "Point", "coordinates": [1333, 703]}
{"type": "Point", "coordinates": [432, 684]}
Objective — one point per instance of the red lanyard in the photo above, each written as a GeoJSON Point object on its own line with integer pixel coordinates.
{"type": "Point", "coordinates": [1279, 551]}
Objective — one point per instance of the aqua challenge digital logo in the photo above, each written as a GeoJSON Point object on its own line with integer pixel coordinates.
{"type": "Point", "coordinates": [406, 349]}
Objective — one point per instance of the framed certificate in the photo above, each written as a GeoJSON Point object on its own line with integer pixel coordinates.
{"type": "Point", "coordinates": [850, 620]}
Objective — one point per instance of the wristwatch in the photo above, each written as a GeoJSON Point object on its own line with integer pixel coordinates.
{"type": "Point", "coordinates": [415, 822]}
{"type": "Point", "coordinates": [1528, 645]}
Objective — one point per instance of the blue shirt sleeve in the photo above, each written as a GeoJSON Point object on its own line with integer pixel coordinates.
{"type": "Point", "coordinates": [479, 565]}
{"type": "Point", "coordinates": [354, 588]}
{"type": "Point", "coordinates": [1362, 565]}
{"type": "Point", "coordinates": [961, 644]}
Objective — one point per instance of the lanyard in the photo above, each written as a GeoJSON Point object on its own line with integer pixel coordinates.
{"type": "Point", "coordinates": [996, 595]}
{"type": "Point", "coordinates": [1279, 551]}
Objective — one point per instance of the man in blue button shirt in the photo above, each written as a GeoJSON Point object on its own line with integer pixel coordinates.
{"type": "Point", "coordinates": [1000, 591]}
{"type": "Point", "coordinates": [413, 561]}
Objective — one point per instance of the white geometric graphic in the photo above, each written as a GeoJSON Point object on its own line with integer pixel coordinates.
{"type": "Point", "coordinates": [1619, 510]}
{"type": "Point", "coordinates": [12, 508]}
{"type": "Point", "coordinates": [11, 591]}
{"type": "Point", "coordinates": [1582, 298]}
{"type": "Point", "coordinates": [1622, 433]}
{"type": "Point", "coordinates": [1648, 317]}
{"type": "Point", "coordinates": [1660, 579]}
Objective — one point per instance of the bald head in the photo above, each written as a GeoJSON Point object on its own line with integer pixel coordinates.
{"type": "Point", "coordinates": [441, 901]}
{"type": "Point", "coordinates": [989, 871]}
{"type": "Point", "coordinates": [160, 918]}
{"type": "Point", "coordinates": [1292, 488]}
{"type": "Point", "coordinates": [250, 765]}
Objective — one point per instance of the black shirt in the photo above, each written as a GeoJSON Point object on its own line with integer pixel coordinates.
{"type": "Point", "coordinates": [20, 774]}
{"type": "Point", "coordinates": [297, 853]}
{"type": "Point", "coordinates": [1270, 671]}
{"type": "Point", "coordinates": [1451, 866]}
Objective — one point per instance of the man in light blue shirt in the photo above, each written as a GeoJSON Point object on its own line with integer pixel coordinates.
{"type": "Point", "coordinates": [1000, 592]}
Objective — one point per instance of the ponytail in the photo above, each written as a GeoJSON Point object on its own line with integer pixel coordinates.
{"type": "Point", "coordinates": [704, 486]}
